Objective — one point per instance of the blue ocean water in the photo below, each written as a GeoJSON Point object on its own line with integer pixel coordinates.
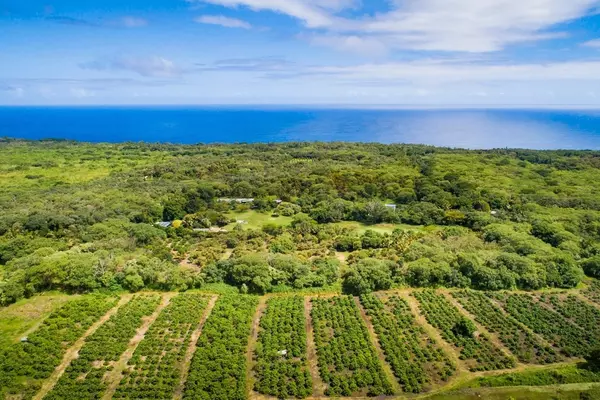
{"type": "Point", "coordinates": [493, 128]}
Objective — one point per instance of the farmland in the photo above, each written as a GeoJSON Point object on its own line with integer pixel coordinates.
{"type": "Point", "coordinates": [388, 343]}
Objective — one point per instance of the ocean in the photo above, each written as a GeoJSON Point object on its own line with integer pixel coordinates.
{"type": "Point", "coordinates": [468, 128]}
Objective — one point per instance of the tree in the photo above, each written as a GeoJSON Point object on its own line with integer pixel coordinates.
{"type": "Point", "coordinates": [464, 328]}
{"type": "Point", "coordinates": [368, 275]}
{"type": "Point", "coordinates": [591, 266]}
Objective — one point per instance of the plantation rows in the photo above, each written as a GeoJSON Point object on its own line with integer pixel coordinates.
{"type": "Point", "coordinates": [577, 311]}
{"type": "Point", "coordinates": [525, 346]}
{"type": "Point", "coordinates": [415, 358]}
{"type": "Point", "coordinates": [593, 292]}
{"type": "Point", "coordinates": [281, 366]}
{"type": "Point", "coordinates": [85, 376]}
{"type": "Point", "coordinates": [25, 365]}
{"type": "Point", "coordinates": [460, 332]}
{"type": "Point", "coordinates": [218, 369]}
{"type": "Point", "coordinates": [347, 359]}
{"type": "Point", "coordinates": [154, 370]}
{"type": "Point", "coordinates": [571, 339]}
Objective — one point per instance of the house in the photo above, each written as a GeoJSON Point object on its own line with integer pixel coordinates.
{"type": "Point", "coordinates": [240, 200]}
{"type": "Point", "coordinates": [392, 206]}
{"type": "Point", "coordinates": [164, 224]}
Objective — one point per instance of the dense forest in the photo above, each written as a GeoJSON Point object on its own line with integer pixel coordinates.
{"type": "Point", "coordinates": [82, 217]}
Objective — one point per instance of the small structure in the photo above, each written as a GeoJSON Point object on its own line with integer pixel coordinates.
{"type": "Point", "coordinates": [278, 201]}
{"type": "Point", "coordinates": [214, 229]}
{"type": "Point", "coordinates": [494, 212]}
{"type": "Point", "coordinates": [24, 339]}
{"type": "Point", "coordinates": [164, 224]}
{"type": "Point", "coordinates": [282, 352]}
{"type": "Point", "coordinates": [392, 206]}
{"type": "Point", "coordinates": [241, 200]}
{"type": "Point", "coordinates": [241, 221]}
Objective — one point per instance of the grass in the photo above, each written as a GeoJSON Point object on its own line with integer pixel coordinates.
{"type": "Point", "coordinates": [361, 228]}
{"type": "Point", "coordinates": [18, 319]}
{"type": "Point", "coordinates": [256, 220]}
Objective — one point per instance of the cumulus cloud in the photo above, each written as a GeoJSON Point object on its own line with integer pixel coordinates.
{"type": "Point", "coordinates": [223, 21]}
{"type": "Point", "coordinates": [153, 66]}
{"type": "Point", "coordinates": [436, 25]}
{"type": "Point", "coordinates": [592, 43]}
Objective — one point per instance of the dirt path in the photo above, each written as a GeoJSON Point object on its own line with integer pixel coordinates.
{"type": "Point", "coordinates": [449, 349]}
{"type": "Point", "coordinates": [493, 337]}
{"type": "Point", "coordinates": [380, 354]}
{"type": "Point", "coordinates": [260, 309]}
{"type": "Point", "coordinates": [116, 374]}
{"type": "Point", "coordinates": [313, 366]}
{"type": "Point", "coordinates": [189, 354]}
{"type": "Point", "coordinates": [73, 351]}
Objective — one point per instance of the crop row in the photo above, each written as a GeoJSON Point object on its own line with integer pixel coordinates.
{"type": "Point", "coordinates": [84, 378]}
{"type": "Point", "coordinates": [572, 340]}
{"type": "Point", "coordinates": [281, 367]}
{"type": "Point", "coordinates": [415, 358]}
{"type": "Point", "coordinates": [524, 345]}
{"type": "Point", "coordinates": [460, 332]}
{"type": "Point", "coordinates": [578, 311]}
{"type": "Point", "coordinates": [218, 368]}
{"type": "Point", "coordinates": [25, 365]}
{"type": "Point", "coordinates": [347, 359]}
{"type": "Point", "coordinates": [593, 292]}
{"type": "Point", "coordinates": [155, 368]}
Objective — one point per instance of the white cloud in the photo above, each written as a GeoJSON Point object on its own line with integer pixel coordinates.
{"type": "Point", "coordinates": [153, 66]}
{"type": "Point", "coordinates": [223, 21]}
{"type": "Point", "coordinates": [81, 93]}
{"type": "Point", "coordinates": [352, 43]}
{"type": "Point", "coordinates": [446, 25]}
{"type": "Point", "coordinates": [592, 43]}
{"type": "Point", "coordinates": [133, 22]}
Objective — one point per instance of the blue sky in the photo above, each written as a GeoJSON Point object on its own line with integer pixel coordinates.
{"type": "Point", "coordinates": [322, 52]}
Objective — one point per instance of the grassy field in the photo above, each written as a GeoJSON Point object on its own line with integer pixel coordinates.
{"type": "Point", "coordinates": [20, 318]}
{"type": "Point", "coordinates": [256, 220]}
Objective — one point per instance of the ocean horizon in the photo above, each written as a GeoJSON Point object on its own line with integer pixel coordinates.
{"type": "Point", "coordinates": [468, 127]}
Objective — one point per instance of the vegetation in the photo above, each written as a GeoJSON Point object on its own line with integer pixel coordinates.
{"type": "Point", "coordinates": [155, 368]}
{"type": "Point", "coordinates": [554, 376]}
{"type": "Point", "coordinates": [524, 345]}
{"type": "Point", "coordinates": [577, 311]}
{"type": "Point", "coordinates": [25, 365]}
{"type": "Point", "coordinates": [80, 217]}
{"type": "Point", "coordinates": [571, 339]}
{"type": "Point", "coordinates": [85, 376]}
{"type": "Point", "coordinates": [218, 369]}
{"type": "Point", "coordinates": [17, 319]}
{"type": "Point", "coordinates": [348, 362]}
{"type": "Point", "coordinates": [456, 329]}
{"type": "Point", "coordinates": [415, 358]}
{"type": "Point", "coordinates": [593, 292]}
{"type": "Point", "coordinates": [281, 365]}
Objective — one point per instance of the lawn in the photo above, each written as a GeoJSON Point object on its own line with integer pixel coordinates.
{"type": "Point", "coordinates": [380, 228]}
{"type": "Point", "coordinates": [256, 220]}
{"type": "Point", "coordinates": [22, 317]}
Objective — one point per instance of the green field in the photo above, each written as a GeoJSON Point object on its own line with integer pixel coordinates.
{"type": "Point", "coordinates": [19, 318]}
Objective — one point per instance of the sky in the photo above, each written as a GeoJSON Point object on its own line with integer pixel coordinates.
{"type": "Point", "coordinates": [309, 52]}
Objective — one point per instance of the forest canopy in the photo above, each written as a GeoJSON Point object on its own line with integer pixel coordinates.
{"type": "Point", "coordinates": [81, 217]}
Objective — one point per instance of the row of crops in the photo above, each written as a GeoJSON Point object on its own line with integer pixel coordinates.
{"type": "Point", "coordinates": [534, 328]}
{"type": "Point", "coordinates": [415, 357]}
{"type": "Point", "coordinates": [25, 365]}
{"type": "Point", "coordinates": [281, 368]}
{"type": "Point", "coordinates": [85, 376]}
{"type": "Point", "coordinates": [518, 339]}
{"type": "Point", "coordinates": [155, 369]}
{"type": "Point", "coordinates": [477, 350]}
{"type": "Point", "coordinates": [571, 339]}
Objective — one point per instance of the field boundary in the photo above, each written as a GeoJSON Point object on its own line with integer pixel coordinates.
{"type": "Point", "coordinates": [73, 352]}
{"type": "Point", "coordinates": [252, 341]}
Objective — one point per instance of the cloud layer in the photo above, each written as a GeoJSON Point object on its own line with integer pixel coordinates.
{"type": "Point", "coordinates": [223, 21]}
{"type": "Point", "coordinates": [433, 25]}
